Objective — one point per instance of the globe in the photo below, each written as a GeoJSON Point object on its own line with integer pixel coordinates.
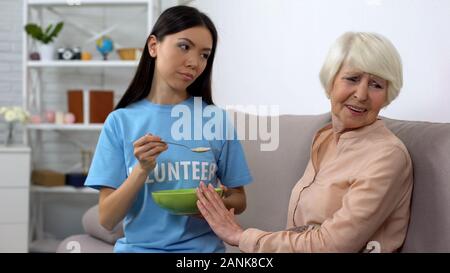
{"type": "Point", "coordinates": [104, 45]}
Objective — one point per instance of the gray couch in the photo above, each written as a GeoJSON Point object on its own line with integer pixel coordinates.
{"type": "Point", "coordinates": [275, 174]}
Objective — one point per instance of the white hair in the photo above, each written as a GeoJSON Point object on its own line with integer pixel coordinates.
{"type": "Point", "coordinates": [368, 52]}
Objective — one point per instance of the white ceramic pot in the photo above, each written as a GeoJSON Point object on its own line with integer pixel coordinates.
{"type": "Point", "coordinates": [47, 52]}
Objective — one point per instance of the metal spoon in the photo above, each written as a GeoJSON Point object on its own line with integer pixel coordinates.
{"type": "Point", "coordinates": [195, 150]}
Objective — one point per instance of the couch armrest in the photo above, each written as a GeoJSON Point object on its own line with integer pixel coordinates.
{"type": "Point", "coordinates": [91, 225]}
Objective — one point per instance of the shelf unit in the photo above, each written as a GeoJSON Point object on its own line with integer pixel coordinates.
{"type": "Point", "coordinates": [63, 189]}
{"type": "Point", "coordinates": [65, 127]}
{"type": "Point", "coordinates": [33, 73]}
{"type": "Point", "coordinates": [103, 64]}
{"type": "Point", "coordinates": [34, 92]}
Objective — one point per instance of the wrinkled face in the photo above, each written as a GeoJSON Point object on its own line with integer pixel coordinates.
{"type": "Point", "coordinates": [356, 98]}
{"type": "Point", "coordinates": [181, 57]}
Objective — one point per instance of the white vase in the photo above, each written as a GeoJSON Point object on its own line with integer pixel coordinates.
{"type": "Point", "coordinates": [46, 52]}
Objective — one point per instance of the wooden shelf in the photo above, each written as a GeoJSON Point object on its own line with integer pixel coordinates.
{"type": "Point", "coordinates": [63, 189]}
{"type": "Point", "coordinates": [66, 127]}
{"type": "Point", "coordinates": [105, 64]}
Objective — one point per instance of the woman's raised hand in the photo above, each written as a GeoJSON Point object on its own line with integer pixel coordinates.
{"type": "Point", "coordinates": [221, 220]}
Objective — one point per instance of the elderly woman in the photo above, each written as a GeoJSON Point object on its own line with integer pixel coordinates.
{"type": "Point", "coordinates": [356, 190]}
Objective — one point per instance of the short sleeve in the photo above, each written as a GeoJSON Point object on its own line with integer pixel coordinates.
{"type": "Point", "coordinates": [233, 170]}
{"type": "Point", "coordinates": [108, 164]}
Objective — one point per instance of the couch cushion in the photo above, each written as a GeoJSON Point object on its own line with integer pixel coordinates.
{"type": "Point", "coordinates": [429, 147]}
{"type": "Point", "coordinates": [276, 172]}
{"type": "Point", "coordinates": [91, 225]}
{"type": "Point", "coordinates": [84, 243]}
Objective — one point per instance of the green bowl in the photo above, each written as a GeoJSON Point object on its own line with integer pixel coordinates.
{"type": "Point", "coordinates": [180, 201]}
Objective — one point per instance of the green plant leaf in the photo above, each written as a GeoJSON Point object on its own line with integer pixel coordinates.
{"type": "Point", "coordinates": [48, 29]}
{"type": "Point", "coordinates": [47, 36]}
{"type": "Point", "coordinates": [34, 31]}
{"type": "Point", "coordinates": [55, 31]}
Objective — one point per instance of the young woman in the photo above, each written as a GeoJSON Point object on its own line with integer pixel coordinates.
{"type": "Point", "coordinates": [132, 160]}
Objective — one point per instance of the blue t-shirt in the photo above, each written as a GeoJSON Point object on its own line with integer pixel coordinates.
{"type": "Point", "coordinates": [147, 227]}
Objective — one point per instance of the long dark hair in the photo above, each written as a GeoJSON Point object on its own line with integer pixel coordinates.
{"type": "Point", "coordinates": [172, 20]}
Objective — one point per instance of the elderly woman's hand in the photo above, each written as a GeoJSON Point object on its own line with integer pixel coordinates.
{"type": "Point", "coordinates": [221, 220]}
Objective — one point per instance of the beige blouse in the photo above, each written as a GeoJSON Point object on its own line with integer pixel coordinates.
{"type": "Point", "coordinates": [354, 195]}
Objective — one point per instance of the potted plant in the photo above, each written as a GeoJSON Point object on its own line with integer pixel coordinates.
{"type": "Point", "coordinates": [44, 37]}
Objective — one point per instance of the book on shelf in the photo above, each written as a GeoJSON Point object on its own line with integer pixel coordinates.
{"type": "Point", "coordinates": [91, 106]}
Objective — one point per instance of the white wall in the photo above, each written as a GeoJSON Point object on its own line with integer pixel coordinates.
{"type": "Point", "coordinates": [10, 53]}
{"type": "Point", "coordinates": [270, 52]}
{"type": "Point", "coordinates": [10, 56]}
